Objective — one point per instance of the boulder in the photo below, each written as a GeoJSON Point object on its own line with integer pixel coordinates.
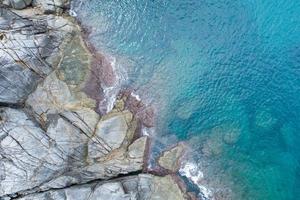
{"type": "Point", "coordinates": [38, 38]}
{"type": "Point", "coordinates": [34, 158]}
{"type": "Point", "coordinates": [51, 6]}
{"type": "Point", "coordinates": [142, 187]}
{"type": "Point", "coordinates": [171, 159]}
{"type": "Point", "coordinates": [19, 4]}
{"type": "Point", "coordinates": [154, 187]}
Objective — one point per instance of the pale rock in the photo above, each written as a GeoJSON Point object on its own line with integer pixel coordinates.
{"type": "Point", "coordinates": [51, 97]}
{"type": "Point", "coordinates": [37, 38]}
{"type": "Point", "coordinates": [171, 159]}
{"type": "Point", "coordinates": [154, 187]}
{"type": "Point", "coordinates": [19, 4]}
{"type": "Point", "coordinates": [115, 129]}
{"type": "Point", "coordinates": [51, 6]}
{"type": "Point", "coordinates": [135, 149]}
{"type": "Point", "coordinates": [141, 187]}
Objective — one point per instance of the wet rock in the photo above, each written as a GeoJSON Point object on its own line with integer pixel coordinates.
{"type": "Point", "coordinates": [143, 112]}
{"type": "Point", "coordinates": [213, 146]}
{"type": "Point", "coordinates": [25, 150]}
{"type": "Point", "coordinates": [54, 96]}
{"type": "Point", "coordinates": [134, 150]}
{"type": "Point", "coordinates": [153, 187]}
{"type": "Point", "coordinates": [264, 119]}
{"type": "Point", "coordinates": [171, 159]}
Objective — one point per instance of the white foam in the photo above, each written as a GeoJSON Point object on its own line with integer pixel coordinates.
{"type": "Point", "coordinates": [136, 96]}
{"type": "Point", "coordinates": [72, 13]}
{"type": "Point", "coordinates": [148, 131]}
{"type": "Point", "coordinates": [111, 92]}
{"type": "Point", "coordinates": [193, 173]}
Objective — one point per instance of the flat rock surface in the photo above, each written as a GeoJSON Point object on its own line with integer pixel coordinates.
{"type": "Point", "coordinates": [170, 159]}
{"type": "Point", "coordinates": [142, 187]}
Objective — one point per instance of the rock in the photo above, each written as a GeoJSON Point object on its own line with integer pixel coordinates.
{"type": "Point", "coordinates": [231, 136]}
{"type": "Point", "coordinates": [51, 6]}
{"type": "Point", "coordinates": [116, 128]}
{"type": "Point", "coordinates": [153, 187]}
{"type": "Point", "coordinates": [19, 4]}
{"type": "Point", "coordinates": [38, 38]}
{"type": "Point", "coordinates": [85, 119]}
{"type": "Point", "coordinates": [135, 150]}
{"type": "Point", "coordinates": [264, 119]}
{"type": "Point", "coordinates": [170, 159]}
{"type": "Point", "coordinates": [33, 158]}
{"type": "Point", "coordinates": [142, 187]}
{"type": "Point", "coordinates": [53, 143]}
{"type": "Point", "coordinates": [52, 96]}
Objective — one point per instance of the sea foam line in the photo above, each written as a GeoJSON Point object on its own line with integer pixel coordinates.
{"type": "Point", "coordinates": [194, 174]}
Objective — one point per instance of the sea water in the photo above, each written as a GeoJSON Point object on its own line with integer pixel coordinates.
{"type": "Point", "coordinates": [225, 75]}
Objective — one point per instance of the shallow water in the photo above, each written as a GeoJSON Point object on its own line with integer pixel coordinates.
{"type": "Point", "coordinates": [226, 74]}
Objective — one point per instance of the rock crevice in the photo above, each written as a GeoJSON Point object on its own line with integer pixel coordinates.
{"type": "Point", "coordinates": [54, 144]}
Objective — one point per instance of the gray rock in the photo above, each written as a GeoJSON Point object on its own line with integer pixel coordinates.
{"type": "Point", "coordinates": [51, 6]}
{"type": "Point", "coordinates": [55, 146]}
{"type": "Point", "coordinates": [141, 187]}
{"type": "Point", "coordinates": [19, 4]}
{"type": "Point", "coordinates": [62, 89]}
{"type": "Point", "coordinates": [29, 49]}
{"type": "Point", "coordinates": [35, 158]}
{"type": "Point", "coordinates": [154, 187]}
{"type": "Point", "coordinates": [171, 159]}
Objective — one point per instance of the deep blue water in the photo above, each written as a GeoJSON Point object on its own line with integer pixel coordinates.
{"type": "Point", "coordinates": [226, 74]}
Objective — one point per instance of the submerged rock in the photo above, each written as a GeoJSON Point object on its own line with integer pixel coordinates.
{"type": "Point", "coordinates": [116, 128]}
{"type": "Point", "coordinates": [231, 136]}
{"type": "Point", "coordinates": [171, 159]}
{"type": "Point", "coordinates": [54, 96]}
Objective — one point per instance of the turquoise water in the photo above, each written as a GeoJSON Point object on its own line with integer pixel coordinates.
{"type": "Point", "coordinates": [226, 77]}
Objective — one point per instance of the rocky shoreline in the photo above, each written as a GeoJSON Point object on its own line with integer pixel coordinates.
{"type": "Point", "coordinates": [54, 141]}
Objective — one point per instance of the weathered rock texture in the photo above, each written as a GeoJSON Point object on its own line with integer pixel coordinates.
{"type": "Point", "coordinates": [29, 50]}
{"type": "Point", "coordinates": [33, 158]}
{"type": "Point", "coordinates": [170, 159]}
{"type": "Point", "coordinates": [53, 143]}
{"type": "Point", "coordinates": [143, 186]}
{"type": "Point", "coordinates": [51, 6]}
